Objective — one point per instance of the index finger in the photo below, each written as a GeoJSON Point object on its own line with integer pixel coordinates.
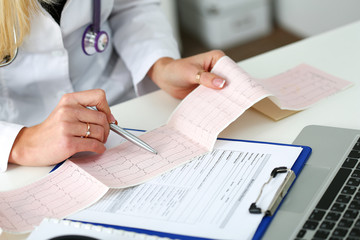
{"type": "Point", "coordinates": [94, 97]}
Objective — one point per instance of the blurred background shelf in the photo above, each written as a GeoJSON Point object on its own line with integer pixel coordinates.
{"type": "Point", "coordinates": [277, 38]}
{"type": "Point", "coordinates": [246, 28]}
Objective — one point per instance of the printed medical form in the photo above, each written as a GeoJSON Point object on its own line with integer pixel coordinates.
{"type": "Point", "coordinates": [207, 197]}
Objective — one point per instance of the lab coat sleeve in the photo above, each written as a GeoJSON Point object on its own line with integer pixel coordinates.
{"type": "Point", "coordinates": [141, 35]}
{"type": "Point", "coordinates": [8, 134]}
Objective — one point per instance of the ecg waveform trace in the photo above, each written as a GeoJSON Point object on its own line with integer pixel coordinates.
{"type": "Point", "coordinates": [302, 86]}
{"type": "Point", "coordinates": [206, 112]}
{"type": "Point", "coordinates": [128, 165]}
{"type": "Point", "coordinates": [58, 194]}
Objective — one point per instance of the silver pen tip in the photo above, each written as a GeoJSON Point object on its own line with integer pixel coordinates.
{"type": "Point", "coordinates": [154, 151]}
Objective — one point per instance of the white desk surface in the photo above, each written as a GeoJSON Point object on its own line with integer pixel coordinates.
{"type": "Point", "coordinates": [336, 52]}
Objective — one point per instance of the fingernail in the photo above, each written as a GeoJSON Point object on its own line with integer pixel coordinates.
{"type": "Point", "coordinates": [112, 119]}
{"type": "Point", "coordinates": [218, 82]}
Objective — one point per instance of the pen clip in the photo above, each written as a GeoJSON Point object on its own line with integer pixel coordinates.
{"type": "Point", "coordinates": [280, 193]}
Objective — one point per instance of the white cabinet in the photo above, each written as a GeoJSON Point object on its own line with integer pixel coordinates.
{"type": "Point", "coordinates": [222, 24]}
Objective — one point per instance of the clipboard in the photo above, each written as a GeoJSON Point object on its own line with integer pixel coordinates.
{"type": "Point", "coordinates": [266, 220]}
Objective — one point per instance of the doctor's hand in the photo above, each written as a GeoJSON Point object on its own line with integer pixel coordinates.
{"type": "Point", "coordinates": [179, 77]}
{"type": "Point", "coordinates": [69, 129]}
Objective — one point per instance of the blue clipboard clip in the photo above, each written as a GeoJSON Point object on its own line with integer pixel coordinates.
{"type": "Point", "coordinates": [280, 193]}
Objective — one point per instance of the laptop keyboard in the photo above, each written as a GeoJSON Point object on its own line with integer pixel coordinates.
{"type": "Point", "coordinates": [337, 214]}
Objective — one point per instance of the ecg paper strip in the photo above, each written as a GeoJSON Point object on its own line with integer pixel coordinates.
{"type": "Point", "coordinates": [302, 86]}
{"type": "Point", "coordinates": [129, 165]}
{"type": "Point", "coordinates": [58, 194]}
{"type": "Point", "coordinates": [190, 132]}
{"type": "Point", "coordinates": [206, 112]}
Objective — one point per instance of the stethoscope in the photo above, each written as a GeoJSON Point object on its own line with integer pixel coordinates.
{"type": "Point", "coordinates": [93, 40]}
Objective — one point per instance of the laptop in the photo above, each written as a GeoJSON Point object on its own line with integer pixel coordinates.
{"type": "Point", "coordinates": [324, 202]}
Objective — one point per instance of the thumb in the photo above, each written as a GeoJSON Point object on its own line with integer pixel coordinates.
{"type": "Point", "coordinates": [209, 80]}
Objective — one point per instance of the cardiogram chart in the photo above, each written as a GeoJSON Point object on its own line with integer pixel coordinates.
{"type": "Point", "coordinates": [191, 131]}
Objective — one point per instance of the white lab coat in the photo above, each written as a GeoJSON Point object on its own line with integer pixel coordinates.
{"type": "Point", "coordinates": [51, 61]}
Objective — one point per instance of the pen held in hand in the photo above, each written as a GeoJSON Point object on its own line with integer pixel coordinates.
{"type": "Point", "coordinates": [132, 138]}
{"type": "Point", "coordinates": [128, 136]}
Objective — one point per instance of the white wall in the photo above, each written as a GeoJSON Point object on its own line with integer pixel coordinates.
{"type": "Point", "coordinates": [309, 17]}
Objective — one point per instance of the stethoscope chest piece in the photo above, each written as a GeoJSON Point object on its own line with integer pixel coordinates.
{"type": "Point", "coordinates": [94, 42]}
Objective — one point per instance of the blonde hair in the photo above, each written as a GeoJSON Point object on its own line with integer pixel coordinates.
{"type": "Point", "coordinates": [15, 23]}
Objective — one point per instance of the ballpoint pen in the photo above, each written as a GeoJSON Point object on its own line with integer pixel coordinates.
{"type": "Point", "coordinates": [128, 136]}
